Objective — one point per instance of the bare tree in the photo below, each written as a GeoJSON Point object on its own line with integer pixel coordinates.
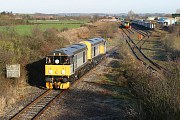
{"type": "Point", "coordinates": [178, 11]}
{"type": "Point", "coordinates": [131, 15]}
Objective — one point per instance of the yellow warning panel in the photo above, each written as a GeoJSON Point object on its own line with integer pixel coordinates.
{"type": "Point", "coordinates": [49, 85]}
{"type": "Point", "coordinates": [65, 85]}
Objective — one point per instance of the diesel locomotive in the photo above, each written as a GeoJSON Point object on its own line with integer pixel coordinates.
{"type": "Point", "coordinates": [68, 64]}
{"type": "Point", "coordinates": [125, 24]}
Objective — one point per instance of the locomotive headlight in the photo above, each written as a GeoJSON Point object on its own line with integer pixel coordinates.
{"type": "Point", "coordinates": [63, 72]}
{"type": "Point", "coordinates": [57, 61]}
{"type": "Point", "coordinates": [51, 71]}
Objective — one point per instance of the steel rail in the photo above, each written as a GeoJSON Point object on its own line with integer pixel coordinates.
{"type": "Point", "coordinates": [129, 41]}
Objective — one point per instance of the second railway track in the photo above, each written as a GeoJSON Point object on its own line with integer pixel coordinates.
{"type": "Point", "coordinates": [137, 51]}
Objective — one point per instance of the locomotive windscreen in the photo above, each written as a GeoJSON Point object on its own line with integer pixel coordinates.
{"type": "Point", "coordinates": [58, 60]}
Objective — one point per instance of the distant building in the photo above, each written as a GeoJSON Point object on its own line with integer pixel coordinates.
{"type": "Point", "coordinates": [150, 18]}
{"type": "Point", "coordinates": [166, 21]}
{"type": "Point", "coordinates": [40, 16]}
{"type": "Point", "coordinates": [109, 19]}
{"type": "Point", "coordinates": [176, 17]}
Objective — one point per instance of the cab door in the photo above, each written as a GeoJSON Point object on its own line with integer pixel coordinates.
{"type": "Point", "coordinates": [75, 63]}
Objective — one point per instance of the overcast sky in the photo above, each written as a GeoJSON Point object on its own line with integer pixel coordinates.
{"type": "Point", "coordinates": [89, 6]}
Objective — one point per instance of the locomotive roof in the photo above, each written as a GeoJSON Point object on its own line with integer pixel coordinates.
{"type": "Point", "coordinates": [95, 41]}
{"type": "Point", "coordinates": [70, 50]}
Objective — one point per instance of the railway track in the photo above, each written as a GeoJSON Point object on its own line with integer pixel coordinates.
{"type": "Point", "coordinates": [145, 33]}
{"type": "Point", "coordinates": [37, 107]}
{"type": "Point", "coordinates": [135, 48]}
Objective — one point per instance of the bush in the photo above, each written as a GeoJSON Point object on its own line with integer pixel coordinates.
{"type": "Point", "coordinates": [170, 45]}
{"type": "Point", "coordinates": [105, 29]}
{"type": "Point", "coordinates": [158, 97]}
{"type": "Point", "coordinates": [64, 29]}
{"type": "Point", "coordinates": [24, 50]}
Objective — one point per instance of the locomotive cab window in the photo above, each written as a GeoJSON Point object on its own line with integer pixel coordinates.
{"type": "Point", "coordinates": [49, 60]}
{"type": "Point", "coordinates": [58, 60]}
{"type": "Point", "coordinates": [64, 60]}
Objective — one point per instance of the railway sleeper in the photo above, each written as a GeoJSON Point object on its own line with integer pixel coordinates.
{"type": "Point", "coordinates": [36, 107]}
{"type": "Point", "coordinates": [26, 116]}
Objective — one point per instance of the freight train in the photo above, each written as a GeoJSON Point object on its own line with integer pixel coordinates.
{"type": "Point", "coordinates": [68, 64]}
{"type": "Point", "coordinates": [147, 24]}
{"type": "Point", "coordinates": [125, 24]}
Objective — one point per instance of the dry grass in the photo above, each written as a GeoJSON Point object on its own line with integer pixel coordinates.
{"type": "Point", "coordinates": [75, 35]}
{"type": "Point", "coordinates": [98, 29]}
{"type": "Point", "coordinates": [171, 45]}
{"type": "Point", "coordinates": [158, 98]}
{"type": "Point", "coordinates": [8, 93]}
{"type": "Point", "coordinates": [2, 103]}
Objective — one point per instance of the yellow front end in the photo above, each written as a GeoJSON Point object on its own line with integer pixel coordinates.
{"type": "Point", "coordinates": [57, 71]}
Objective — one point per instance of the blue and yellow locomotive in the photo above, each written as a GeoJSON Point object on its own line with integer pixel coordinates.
{"type": "Point", "coordinates": [68, 64]}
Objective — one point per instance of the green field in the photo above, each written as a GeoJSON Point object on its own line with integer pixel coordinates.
{"type": "Point", "coordinates": [43, 25]}
{"type": "Point", "coordinates": [58, 21]}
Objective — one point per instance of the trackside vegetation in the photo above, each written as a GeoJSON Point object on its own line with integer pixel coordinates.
{"type": "Point", "coordinates": [24, 50]}
{"type": "Point", "coordinates": [158, 97]}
